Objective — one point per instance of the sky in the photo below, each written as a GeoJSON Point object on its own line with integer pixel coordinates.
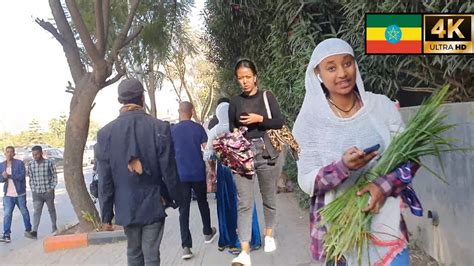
{"type": "Point", "coordinates": [34, 71]}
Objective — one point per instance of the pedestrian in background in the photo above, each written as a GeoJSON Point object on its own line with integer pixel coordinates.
{"type": "Point", "coordinates": [248, 109]}
{"type": "Point", "coordinates": [14, 193]}
{"type": "Point", "coordinates": [226, 192]}
{"type": "Point", "coordinates": [43, 181]}
{"type": "Point", "coordinates": [189, 140]}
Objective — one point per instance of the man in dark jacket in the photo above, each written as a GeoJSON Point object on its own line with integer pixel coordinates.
{"type": "Point", "coordinates": [137, 174]}
{"type": "Point", "coordinates": [13, 175]}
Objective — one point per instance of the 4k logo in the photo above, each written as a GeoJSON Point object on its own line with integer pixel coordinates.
{"type": "Point", "coordinates": [448, 33]}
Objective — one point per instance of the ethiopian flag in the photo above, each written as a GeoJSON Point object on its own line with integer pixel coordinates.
{"type": "Point", "coordinates": [393, 34]}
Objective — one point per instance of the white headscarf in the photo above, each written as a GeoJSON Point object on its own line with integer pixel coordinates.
{"type": "Point", "coordinates": [323, 136]}
{"type": "Point", "coordinates": [222, 113]}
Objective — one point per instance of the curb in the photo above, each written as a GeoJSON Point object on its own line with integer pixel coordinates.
{"type": "Point", "coordinates": [64, 242]}
{"type": "Point", "coordinates": [54, 243]}
{"type": "Point", "coordinates": [106, 237]}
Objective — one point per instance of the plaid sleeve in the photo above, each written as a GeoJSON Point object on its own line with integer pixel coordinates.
{"type": "Point", "coordinates": [54, 176]}
{"type": "Point", "coordinates": [28, 170]}
{"type": "Point", "coordinates": [330, 177]}
{"type": "Point", "coordinates": [394, 182]}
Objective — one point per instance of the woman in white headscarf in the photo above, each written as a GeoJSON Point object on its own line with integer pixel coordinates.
{"type": "Point", "coordinates": [338, 119]}
{"type": "Point", "coordinates": [226, 193]}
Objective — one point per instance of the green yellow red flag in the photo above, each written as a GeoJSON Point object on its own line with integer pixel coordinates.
{"type": "Point", "coordinates": [393, 34]}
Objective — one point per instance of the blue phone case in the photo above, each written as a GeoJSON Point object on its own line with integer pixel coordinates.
{"type": "Point", "coordinates": [372, 149]}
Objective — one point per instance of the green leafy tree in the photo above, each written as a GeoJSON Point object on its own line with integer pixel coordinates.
{"type": "Point", "coordinates": [206, 81]}
{"type": "Point", "coordinates": [21, 139]}
{"type": "Point", "coordinates": [35, 136]}
{"type": "Point", "coordinates": [162, 21]}
{"type": "Point", "coordinates": [94, 127]}
{"type": "Point", "coordinates": [57, 131]}
{"type": "Point", "coordinates": [186, 69]}
{"type": "Point", "coordinates": [278, 36]}
{"type": "Point", "coordinates": [6, 139]}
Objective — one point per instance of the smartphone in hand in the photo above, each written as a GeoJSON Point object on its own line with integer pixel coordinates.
{"type": "Point", "coordinates": [372, 149]}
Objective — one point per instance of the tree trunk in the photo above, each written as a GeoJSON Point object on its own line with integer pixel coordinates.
{"type": "Point", "coordinates": [152, 83]}
{"type": "Point", "coordinates": [151, 94]}
{"type": "Point", "coordinates": [76, 136]}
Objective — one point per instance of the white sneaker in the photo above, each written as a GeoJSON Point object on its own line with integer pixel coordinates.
{"type": "Point", "coordinates": [270, 245]}
{"type": "Point", "coordinates": [242, 260]}
{"type": "Point", "coordinates": [187, 254]}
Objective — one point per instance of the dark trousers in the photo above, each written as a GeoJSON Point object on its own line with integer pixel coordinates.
{"type": "Point", "coordinates": [143, 243]}
{"type": "Point", "coordinates": [200, 188]}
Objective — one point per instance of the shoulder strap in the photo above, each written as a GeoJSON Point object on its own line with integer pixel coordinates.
{"type": "Point", "coordinates": [267, 106]}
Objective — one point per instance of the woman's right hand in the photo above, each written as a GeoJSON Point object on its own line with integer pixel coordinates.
{"type": "Point", "coordinates": [248, 119]}
{"type": "Point", "coordinates": [355, 158]}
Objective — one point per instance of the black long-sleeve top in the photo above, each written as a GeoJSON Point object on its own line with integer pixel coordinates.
{"type": "Point", "coordinates": [255, 104]}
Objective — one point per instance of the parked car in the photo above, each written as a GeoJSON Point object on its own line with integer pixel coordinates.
{"type": "Point", "coordinates": [55, 155]}
{"type": "Point", "coordinates": [27, 158]}
{"type": "Point", "coordinates": [20, 153]}
{"type": "Point", "coordinates": [43, 146]}
{"type": "Point", "coordinates": [88, 157]}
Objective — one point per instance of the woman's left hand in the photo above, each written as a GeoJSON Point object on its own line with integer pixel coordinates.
{"type": "Point", "coordinates": [377, 198]}
{"type": "Point", "coordinates": [251, 119]}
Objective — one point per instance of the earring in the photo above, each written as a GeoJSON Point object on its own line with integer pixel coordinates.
{"type": "Point", "coordinates": [319, 78]}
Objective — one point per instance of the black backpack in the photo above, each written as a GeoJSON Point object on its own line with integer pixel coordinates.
{"type": "Point", "coordinates": [94, 186]}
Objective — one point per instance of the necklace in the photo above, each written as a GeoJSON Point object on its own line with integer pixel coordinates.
{"type": "Point", "coordinates": [345, 111]}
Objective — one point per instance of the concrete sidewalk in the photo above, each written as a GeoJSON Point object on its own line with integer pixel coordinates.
{"type": "Point", "coordinates": [291, 235]}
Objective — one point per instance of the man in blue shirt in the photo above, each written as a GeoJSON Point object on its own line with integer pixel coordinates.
{"type": "Point", "coordinates": [189, 138]}
{"type": "Point", "coordinates": [13, 175]}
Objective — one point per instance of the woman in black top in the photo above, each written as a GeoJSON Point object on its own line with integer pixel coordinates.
{"type": "Point", "coordinates": [248, 109]}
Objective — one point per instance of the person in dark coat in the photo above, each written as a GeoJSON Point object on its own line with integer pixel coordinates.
{"type": "Point", "coordinates": [138, 175]}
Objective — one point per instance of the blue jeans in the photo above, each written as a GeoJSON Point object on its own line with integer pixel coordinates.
{"type": "Point", "coordinates": [143, 244]}
{"type": "Point", "coordinates": [8, 207]}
